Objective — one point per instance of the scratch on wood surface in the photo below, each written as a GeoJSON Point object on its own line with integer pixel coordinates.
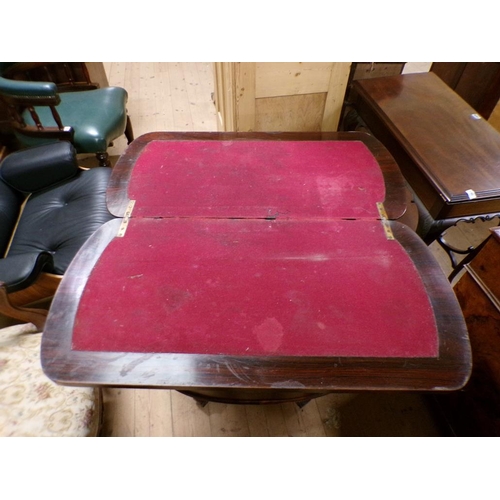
{"type": "Point", "coordinates": [131, 366]}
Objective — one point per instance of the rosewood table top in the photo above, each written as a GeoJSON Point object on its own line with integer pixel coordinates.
{"type": "Point", "coordinates": [256, 268]}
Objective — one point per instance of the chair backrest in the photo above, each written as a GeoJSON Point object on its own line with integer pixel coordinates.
{"type": "Point", "coordinates": [68, 76]}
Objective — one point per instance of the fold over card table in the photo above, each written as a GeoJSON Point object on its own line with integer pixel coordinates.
{"type": "Point", "coordinates": [256, 268]}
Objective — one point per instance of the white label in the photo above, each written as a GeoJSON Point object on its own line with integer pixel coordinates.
{"type": "Point", "coordinates": [471, 194]}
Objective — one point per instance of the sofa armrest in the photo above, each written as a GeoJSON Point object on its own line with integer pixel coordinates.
{"type": "Point", "coordinates": [20, 271]}
{"type": "Point", "coordinates": [34, 169]}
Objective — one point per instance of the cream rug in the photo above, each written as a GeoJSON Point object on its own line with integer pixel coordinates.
{"type": "Point", "coordinates": [30, 403]}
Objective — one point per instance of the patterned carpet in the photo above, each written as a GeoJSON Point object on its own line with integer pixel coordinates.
{"type": "Point", "coordinates": [31, 405]}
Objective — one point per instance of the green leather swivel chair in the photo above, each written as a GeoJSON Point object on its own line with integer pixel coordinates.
{"type": "Point", "coordinates": [46, 111]}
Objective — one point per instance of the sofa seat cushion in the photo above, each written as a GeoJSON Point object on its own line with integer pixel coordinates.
{"type": "Point", "coordinates": [30, 403]}
{"type": "Point", "coordinates": [60, 219]}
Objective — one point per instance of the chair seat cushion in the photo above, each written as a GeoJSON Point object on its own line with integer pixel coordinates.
{"type": "Point", "coordinates": [19, 271]}
{"type": "Point", "coordinates": [30, 403]}
{"type": "Point", "coordinates": [60, 219]}
{"type": "Point", "coordinates": [97, 116]}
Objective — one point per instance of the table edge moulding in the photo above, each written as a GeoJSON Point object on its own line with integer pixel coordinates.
{"type": "Point", "coordinates": [225, 373]}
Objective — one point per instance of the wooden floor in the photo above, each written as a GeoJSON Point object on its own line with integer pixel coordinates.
{"type": "Point", "coordinates": [177, 97]}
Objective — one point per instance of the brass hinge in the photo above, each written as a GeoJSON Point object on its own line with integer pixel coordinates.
{"type": "Point", "coordinates": [126, 218]}
{"type": "Point", "coordinates": [385, 222]}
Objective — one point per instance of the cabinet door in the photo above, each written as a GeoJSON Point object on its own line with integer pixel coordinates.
{"type": "Point", "coordinates": [280, 97]}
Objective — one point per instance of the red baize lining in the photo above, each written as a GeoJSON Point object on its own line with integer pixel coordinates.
{"type": "Point", "coordinates": [289, 179]}
{"type": "Point", "coordinates": [204, 282]}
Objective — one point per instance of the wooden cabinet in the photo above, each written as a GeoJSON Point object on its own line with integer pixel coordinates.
{"type": "Point", "coordinates": [271, 97]}
{"type": "Point", "coordinates": [475, 411]}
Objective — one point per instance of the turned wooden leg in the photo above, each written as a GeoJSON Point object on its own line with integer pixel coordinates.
{"type": "Point", "coordinates": [103, 159]}
{"type": "Point", "coordinates": [35, 316]}
{"type": "Point", "coordinates": [129, 133]}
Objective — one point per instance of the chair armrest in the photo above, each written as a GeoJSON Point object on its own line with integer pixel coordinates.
{"type": "Point", "coordinates": [20, 271]}
{"type": "Point", "coordinates": [15, 88]}
{"type": "Point", "coordinates": [33, 169]}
